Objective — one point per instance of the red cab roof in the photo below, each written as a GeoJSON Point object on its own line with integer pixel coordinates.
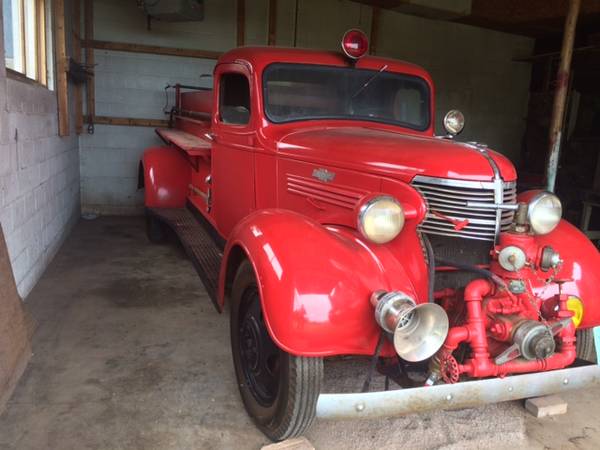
{"type": "Point", "coordinates": [260, 57]}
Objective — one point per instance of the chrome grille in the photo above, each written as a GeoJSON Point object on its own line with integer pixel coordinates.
{"type": "Point", "coordinates": [447, 211]}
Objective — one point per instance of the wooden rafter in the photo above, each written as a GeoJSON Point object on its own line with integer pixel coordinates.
{"type": "Point", "coordinates": [152, 49]}
{"type": "Point", "coordinates": [128, 121]}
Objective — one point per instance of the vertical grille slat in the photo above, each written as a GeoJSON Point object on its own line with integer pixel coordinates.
{"type": "Point", "coordinates": [448, 198]}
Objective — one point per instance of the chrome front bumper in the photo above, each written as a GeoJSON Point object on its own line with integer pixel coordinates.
{"type": "Point", "coordinates": [451, 396]}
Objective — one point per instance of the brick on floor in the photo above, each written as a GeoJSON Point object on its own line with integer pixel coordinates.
{"type": "Point", "coordinates": [550, 405]}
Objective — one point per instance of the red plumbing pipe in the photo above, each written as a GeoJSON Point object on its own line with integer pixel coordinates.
{"type": "Point", "coordinates": [474, 332]}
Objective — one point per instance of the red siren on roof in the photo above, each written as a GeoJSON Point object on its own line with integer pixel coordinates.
{"type": "Point", "coordinates": [355, 44]}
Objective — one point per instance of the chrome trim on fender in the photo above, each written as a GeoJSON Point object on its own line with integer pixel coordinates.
{"type": "Point", "coordinates": [451, 396]}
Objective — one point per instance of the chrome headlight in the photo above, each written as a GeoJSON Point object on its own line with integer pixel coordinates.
{"type": "Point", "coordinates": [544, 212]}
{"type": "Point", "coordinates": [454, 122]}
{"type": "Point", "coordinates": [381, 219]}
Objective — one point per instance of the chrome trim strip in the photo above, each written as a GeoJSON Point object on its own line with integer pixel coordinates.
{"type": "Point", "coordinates": [461, 183]}
{"type": "Point", "coordinates": [465, 394]}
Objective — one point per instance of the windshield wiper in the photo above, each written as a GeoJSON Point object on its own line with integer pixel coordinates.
{"type": "Point", "coordinates": [368, 82]}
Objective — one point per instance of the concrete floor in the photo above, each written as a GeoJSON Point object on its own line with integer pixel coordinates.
{"type": "Point", "coordinates": [129, 354]}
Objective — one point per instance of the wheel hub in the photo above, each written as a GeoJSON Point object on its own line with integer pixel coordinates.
{"type": "Point", "coordinates": [259, 354]}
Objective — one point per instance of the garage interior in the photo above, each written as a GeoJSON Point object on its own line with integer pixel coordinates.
{"type": "Point", "coordinates": [107, 341]}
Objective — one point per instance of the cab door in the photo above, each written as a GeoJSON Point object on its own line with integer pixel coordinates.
{"type": "Point", "coordinates": [234, 133]}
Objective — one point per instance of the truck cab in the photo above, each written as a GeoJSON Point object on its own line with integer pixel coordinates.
{"type": "Point", "coordinates": [333, 221]}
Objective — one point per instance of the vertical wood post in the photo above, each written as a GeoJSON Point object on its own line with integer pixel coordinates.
{"type": "Point", "coordinates": [272, 34]}
{"type": "Point", "coordinates": [376, 14]}
{"type": "Point", "coordinates": [77, 58]}
{"type": "Point", "coordinates": [560, 95]}
{"type": "Point", "coordinates": [241, 22]}
{"type": "Point", "coordinates": [89, 60]}
{"type": "Point", "coordinates": [61, 68]}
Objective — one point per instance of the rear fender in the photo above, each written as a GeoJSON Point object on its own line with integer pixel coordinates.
{"type": "Point", "coordinates": [315, 282]}
{"type": "Point", "coordinates": [167, 177]}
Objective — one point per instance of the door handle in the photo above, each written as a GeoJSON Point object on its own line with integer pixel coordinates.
{"type": "Point", "coordinates": [210, 136]}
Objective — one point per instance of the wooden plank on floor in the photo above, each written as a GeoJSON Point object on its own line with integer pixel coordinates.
{"type": "Point", "coordinates": [16, 328]}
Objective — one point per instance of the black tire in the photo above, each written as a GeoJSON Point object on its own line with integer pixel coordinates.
{"type": "Point", "coordinates": [155, 230]}
{"type": "Point", "coordinates": [279, 390]}
{"type": "Point", "coordinates": [585, 345]}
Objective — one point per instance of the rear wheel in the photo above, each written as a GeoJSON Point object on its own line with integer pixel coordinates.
{"type": "Point", "coordinates": [155, 230]}
{"type": "Point", "coordinates": [279, 390]}
{"type": "Point", "coordinates": [585, 344]}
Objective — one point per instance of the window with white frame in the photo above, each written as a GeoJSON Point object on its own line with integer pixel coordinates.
{"type": "Point", "coordinates": [28, 39]}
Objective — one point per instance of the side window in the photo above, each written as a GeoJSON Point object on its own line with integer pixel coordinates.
{"type": "Point", "coordinates": [234, 99]}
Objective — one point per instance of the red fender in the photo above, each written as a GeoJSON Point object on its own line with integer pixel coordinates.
{"type": "Point", "coordinates": [315, 282]}
{"type": "Point", "coordinates": [581, 266]}
{"type": "Point", "coordinates": [167, 177]}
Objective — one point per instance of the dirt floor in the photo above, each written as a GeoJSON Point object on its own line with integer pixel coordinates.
{"type": "Point", "coordinates": [130, 354]}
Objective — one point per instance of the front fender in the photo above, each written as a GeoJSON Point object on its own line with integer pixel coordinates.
{"type": "Point", "coordinates": [315, 282]}
{"type": "Point", "coordinates": [581, 266]}
{"type": "Point", "coordinates": [167, 177]}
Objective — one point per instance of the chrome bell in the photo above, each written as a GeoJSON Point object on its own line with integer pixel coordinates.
{"type": "Point", "coordinates": [418, 330]}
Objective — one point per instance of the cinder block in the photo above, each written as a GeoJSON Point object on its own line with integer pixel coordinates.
{"type": "Point", "coordinates": [551, 405]}
{"type": "Point", "coordinates": [299, 443]}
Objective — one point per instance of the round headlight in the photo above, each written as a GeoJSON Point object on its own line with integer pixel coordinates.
{"type": "Point", "coordinates": [381, 219]}
{"type": "Point", "coordinates": [544, 212]}
{"type": "Point", "coordinates": [454, 122]}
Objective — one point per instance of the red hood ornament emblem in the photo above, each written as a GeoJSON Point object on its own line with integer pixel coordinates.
{"type": "Point", "coordinates": [458, 224]}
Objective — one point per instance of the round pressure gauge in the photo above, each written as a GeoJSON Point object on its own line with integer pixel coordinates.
{"type": "Point", "coordinates": [512, 258]}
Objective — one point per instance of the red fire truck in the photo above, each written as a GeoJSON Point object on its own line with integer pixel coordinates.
{"type": "Point", "coordinates": [315, 200]}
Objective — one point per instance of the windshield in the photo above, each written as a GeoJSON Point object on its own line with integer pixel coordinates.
{"type": "Point", "coordinates": [303, 92]}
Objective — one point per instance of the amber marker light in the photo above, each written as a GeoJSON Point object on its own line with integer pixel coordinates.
{"type": "Point", "coordinates": [575, 305]}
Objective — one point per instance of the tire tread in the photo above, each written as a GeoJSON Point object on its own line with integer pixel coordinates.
{"type": "Point", "coordinates": [586, 348]}
{"type": "Point", "coordinates": [303, 384]}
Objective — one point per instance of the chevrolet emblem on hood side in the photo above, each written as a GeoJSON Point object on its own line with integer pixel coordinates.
{"type": "Point", "coordinates": [323, 175]}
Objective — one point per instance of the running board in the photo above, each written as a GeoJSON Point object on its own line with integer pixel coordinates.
{"type": "Point", "coordinates": [198, 244]}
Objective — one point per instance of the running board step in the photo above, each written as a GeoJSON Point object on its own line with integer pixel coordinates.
{"type": "Point", "coordinates": [198, 244]}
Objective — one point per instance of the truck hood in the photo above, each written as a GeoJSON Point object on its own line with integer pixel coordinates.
{"type": "Point", "coordinates": [392, 154]}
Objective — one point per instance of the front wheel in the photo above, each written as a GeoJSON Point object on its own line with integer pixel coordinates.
{"type": "Point", "coordinates": [585, 344]}
{"type": "Point", "coordinates": [279, 390]}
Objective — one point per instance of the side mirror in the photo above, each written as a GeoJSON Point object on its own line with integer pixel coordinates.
{"type": "Point", "coordinates": [454, 122]}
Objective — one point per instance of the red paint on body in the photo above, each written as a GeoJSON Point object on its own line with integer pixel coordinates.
{"type": "Point", "coordinates": [315, 271]}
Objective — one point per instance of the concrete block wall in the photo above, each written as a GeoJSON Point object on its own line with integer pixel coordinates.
{"type": "Point", "coordinates": [132, 85]}
{"type": "Point", "coordinates": [39, 177]}
{"type": "Point", "coordinates": [472, 68]}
